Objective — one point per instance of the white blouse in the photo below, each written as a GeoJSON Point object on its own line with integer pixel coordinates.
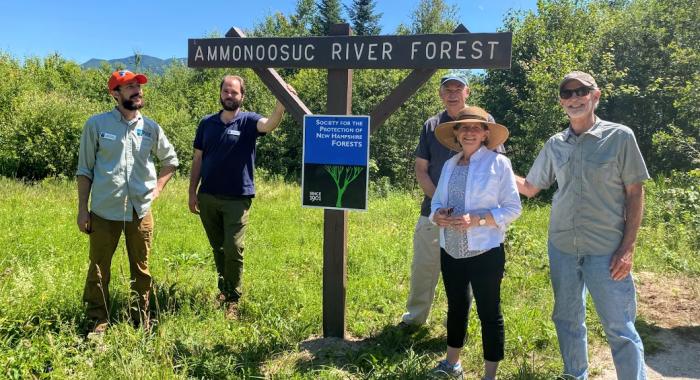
{"type": "Point", "coordinates": [491, 187]}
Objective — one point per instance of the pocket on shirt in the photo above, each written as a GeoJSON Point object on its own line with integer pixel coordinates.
{"type": "Point", "coordinates": [145, 147]}
{"type": "Point", "coordinates": [601, 173]}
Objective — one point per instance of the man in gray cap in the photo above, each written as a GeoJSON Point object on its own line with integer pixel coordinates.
{"type": "Point", "coordinates": [430, 157]}
{"type": "Point", "coordinates": [596, 214]}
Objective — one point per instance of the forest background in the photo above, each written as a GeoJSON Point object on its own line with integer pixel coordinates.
{"type": "Point", "coordinates": [645, 55]}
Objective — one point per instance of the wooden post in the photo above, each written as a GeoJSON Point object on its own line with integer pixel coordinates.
{"type": "Point", "coordinates": [335, 222]}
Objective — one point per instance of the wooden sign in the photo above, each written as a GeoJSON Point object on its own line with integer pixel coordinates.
{"type": "Point", "coordinates": [454, 51]}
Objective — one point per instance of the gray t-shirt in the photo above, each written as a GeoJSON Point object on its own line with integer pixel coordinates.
{"type": "Point", "coordinates": [591, 171]}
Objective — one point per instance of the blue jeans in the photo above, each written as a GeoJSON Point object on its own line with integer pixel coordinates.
{"type": "Point", "coordinates": [615, 302]}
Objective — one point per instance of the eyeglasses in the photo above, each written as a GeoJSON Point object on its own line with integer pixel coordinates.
{"type": "Point", "coordinates": [580, 92]}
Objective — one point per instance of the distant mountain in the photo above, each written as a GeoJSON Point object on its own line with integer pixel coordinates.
{"type": "Point", "coordinates": [147, 64]}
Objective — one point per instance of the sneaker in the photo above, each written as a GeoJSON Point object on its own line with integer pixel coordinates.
{"type": "Point", "coordinates": [407, 327]}
{"type": "Point", "coordinates": [232, 310]}
{"type": "Point", "coordinates": [445, 370]}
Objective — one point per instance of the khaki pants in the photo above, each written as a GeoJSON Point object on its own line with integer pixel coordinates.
{"type": "Point", "coordinates": [425, 271]}
{"type": "Point", "coordinates": [103, 242]}
{"type": "Point", "coordinates": [225, 220]}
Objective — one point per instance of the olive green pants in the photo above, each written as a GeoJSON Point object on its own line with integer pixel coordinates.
{"type": "Point", "coordinates": [104, 239]}
{"type": "Point", "coordinates": [225, 220]}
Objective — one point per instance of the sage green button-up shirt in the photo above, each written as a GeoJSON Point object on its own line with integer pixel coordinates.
{"type": "Point", "coordinates": [117, 156]}
{"type": "Point", "coordinates": [591, 171]}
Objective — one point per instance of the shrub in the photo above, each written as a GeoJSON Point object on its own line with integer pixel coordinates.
{"type": "Point", "coordinates": [42, 136]}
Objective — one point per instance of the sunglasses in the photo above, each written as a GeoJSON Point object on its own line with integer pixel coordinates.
{"type": "Point", "coordinates": [580, 92]}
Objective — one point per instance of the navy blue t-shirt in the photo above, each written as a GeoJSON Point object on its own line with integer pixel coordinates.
{"type": "Point", "coordinates": [228, 154]}
{"type": "Point", "coordinates": [429, 148]}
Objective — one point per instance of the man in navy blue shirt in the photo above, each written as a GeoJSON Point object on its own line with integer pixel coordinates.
{"type": "Point", "coordinates": [221, 182]}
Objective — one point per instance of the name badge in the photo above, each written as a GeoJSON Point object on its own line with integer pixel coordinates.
{"type": "Point", "coordinates": [140, 132]}
{"type": "Point", "coordinates": [233, 132]}
{"type": "Point", "coordinates": [108, 136]}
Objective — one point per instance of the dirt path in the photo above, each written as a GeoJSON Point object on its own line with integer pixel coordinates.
{"type": "Point", "coordinates": [671, 307]}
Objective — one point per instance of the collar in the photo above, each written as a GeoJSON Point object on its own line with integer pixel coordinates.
{"type": "Point", "coordinates": [595, 131]}
{"type": "Point", "coordinates": [118, 115]}
{"type": "Point", "coordinates": [236, 116]}
{"type": "Point", "coordinates": [476, 157]}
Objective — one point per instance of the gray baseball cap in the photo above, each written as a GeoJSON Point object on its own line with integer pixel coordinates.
{"type": "Point", "coordinates": [454, 76]}
{"type": "Point", "coordinates": [585, 79]}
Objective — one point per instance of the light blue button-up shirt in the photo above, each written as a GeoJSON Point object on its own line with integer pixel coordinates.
{"type": "Point", "coordinates": [117, 156]}
{"type": "Point", "coordinates": [591, 171]}
{"type": "Point", "coordinates": [491, 187]}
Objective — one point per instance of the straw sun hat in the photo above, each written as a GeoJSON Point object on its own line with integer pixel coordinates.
{"type": "Point", "coordinates": [444, 132]}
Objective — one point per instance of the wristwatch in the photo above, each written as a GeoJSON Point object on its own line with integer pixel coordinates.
{"type": "Point", "coordinates": [482, 220]}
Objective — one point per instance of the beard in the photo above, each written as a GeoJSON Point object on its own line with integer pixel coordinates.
{"type": "Point", "coordinates": [230, 104]}
{"type": "Point", "coordinates": [131, 105]}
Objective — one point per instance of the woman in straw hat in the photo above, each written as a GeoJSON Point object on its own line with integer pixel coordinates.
{"type": "Point", "coordinates": [475, 200]}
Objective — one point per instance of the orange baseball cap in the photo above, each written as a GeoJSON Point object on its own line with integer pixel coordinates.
{"type": "Point", "coordinates": [120, 77]}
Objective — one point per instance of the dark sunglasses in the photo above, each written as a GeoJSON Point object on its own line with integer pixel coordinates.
{"type": "Point", "coordinates": [580, 91]}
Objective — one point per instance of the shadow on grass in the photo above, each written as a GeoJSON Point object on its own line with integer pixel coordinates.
{"type": "Point", "coordinates": [165, 299]}
{"type": "Point", "coordinates": [672, 352]}
{"type": "Point", "coordinates": [56, 317]}
{"type": "Point", "coordinates": [219, 361]}
{"type": "Point", "coordinates": [394, 353]}
{"type": "Point", "coordinates": [648, 331]}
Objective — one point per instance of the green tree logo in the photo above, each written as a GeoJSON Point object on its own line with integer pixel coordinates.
{"type": "Point", "coordinates": [344, 174]}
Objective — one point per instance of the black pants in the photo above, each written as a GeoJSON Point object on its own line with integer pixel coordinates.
{"type": "Point", "coordinates": [484, 272]}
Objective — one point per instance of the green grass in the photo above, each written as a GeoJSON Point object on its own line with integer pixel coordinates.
{"type": "Point", "coordinates": [43, 262]}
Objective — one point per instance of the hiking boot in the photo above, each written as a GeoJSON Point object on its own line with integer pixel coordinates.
{"type": "Point", "coordinates": [232, 311]}
{"type": "Point", "coordinates": [221, 298]}
{"type": "Point", "coordinates": [99, 329]}
{"type": "Point", "coordinates": [445, 370]}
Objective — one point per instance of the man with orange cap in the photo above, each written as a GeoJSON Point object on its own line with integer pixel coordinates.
{"type": "Point", "coordinates": [117, 173]}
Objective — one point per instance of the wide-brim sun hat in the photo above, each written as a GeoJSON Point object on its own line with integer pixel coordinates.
{"type": "Point", "coordinates": [498, 134]}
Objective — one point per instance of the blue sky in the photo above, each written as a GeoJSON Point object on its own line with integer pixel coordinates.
{"type": "Point", "coordinates": [81, 29]}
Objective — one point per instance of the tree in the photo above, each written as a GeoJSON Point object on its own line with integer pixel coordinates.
{"type": "Point", "coordinates": [275, 25]}
{"type": "Point", "coordinates": [302, 20]}
{"type": "Point", "coordinates": [650, 91]}
{"type": "Point", "coordinates": [431, 16]}
{"type": "Point", "coordinates": [364, 21]}
{"type": "Point", "coordinates": [328, 14]}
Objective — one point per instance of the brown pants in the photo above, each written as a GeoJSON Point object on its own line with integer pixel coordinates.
{"type": "Point", "coordinates": [103, 242]}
